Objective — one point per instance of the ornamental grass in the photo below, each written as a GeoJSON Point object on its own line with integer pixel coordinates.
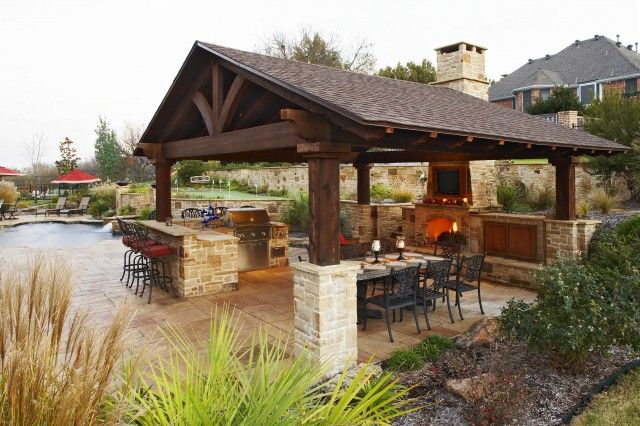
{"type": "Point", "coordinates": [55, 367]}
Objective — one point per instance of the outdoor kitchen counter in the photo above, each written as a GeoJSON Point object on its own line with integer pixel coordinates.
{"type": "Point", "coordinates": [206, 261]}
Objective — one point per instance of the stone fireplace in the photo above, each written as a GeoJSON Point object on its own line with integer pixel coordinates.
{"type": "Point", "coordinates": [435, 221]}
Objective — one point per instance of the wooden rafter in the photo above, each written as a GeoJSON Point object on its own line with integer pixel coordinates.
{"type": "Point", "coordinates": [231, 101]}
{"type": "Point", "coordinates": [205, 110]}
{"type": "Point", "coordinates": [216, 94]}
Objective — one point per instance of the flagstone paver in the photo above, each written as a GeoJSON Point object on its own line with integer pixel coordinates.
{"type": "Point", "coordinates": [264, 297]}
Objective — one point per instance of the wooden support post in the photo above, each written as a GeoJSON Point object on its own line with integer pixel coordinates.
{"type": "Point", "coordinates": [565, 188]}
{"type": "Point", "coordinates": [364, 182]}
{"type": "Point", "coordinates": [324, 200]}
{"type": "Point", "coordinates": [163, 189]}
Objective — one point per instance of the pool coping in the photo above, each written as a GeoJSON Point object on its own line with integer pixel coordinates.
{"type": "Point", "coordinates": [8, 223]}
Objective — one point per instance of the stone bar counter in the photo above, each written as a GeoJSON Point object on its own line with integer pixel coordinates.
{"type": "Point", "coordinates": [206, 261]}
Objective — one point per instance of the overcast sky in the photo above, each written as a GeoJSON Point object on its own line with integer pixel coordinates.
{"type": "Point", "coordinates": [63, 63]}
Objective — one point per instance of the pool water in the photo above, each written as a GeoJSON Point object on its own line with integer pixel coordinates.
{"type": "Point", "coordinates": [54, 235]}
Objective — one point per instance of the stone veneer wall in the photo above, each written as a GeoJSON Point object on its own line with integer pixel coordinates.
{"type": "Point", "coordinates": [568, 238]}
{"type": "Point", "coordinates": [325, 310]}
{"type": "Point", "coordinates": [206, 264]}
{"type": "Point", "coordinates": [370, 221]}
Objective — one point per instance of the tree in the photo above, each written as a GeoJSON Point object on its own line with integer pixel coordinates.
{"type": "Point", "coordinates": [616, 118]}
{"type": "Point", "coordinates": [561, 99]}
{"type": "Point", "coordinates": [137, 168]}
{"type": "Point", "coordinates": [108, 154]}
{"type": "Point", "coordinates": [419, 73]}
{"type": "Point", "coordinates": [312, 47]}
{"type": "Point", "coordinates": [33, 153]}
{"type": "Point", "coordinates": [69, 157]}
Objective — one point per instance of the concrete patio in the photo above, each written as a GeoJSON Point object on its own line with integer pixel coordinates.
{"type": "Point", "coordinates": [264, 297]}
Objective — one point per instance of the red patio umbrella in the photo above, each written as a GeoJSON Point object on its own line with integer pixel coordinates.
{"type": "Point", "coordinates": [75, 177]}
{"type": "Point", "coordinates": [5, 171]}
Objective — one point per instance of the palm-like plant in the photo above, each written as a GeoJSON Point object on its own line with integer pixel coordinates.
{"type": "Point", "coordinates": [255, 382]}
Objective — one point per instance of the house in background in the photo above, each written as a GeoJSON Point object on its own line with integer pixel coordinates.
{"type": "Point", "coordinates": [591, 66]}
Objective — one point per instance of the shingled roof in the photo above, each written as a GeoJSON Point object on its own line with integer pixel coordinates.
{"type": "Point", "coordinates": [584, 61]}
{"type": "Point", "coordinates": [379, 101]}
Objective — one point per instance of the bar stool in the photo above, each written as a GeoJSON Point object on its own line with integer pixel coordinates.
{"type": "Point", "coordinates": [156, 272]}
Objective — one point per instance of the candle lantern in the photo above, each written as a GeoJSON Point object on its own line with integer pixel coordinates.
{"type": "Point", "coordinates": [455, 227]}
{"type": "Point", "coordinates": [400, 246]}
{"type": "Point", "coordinates": [375, 248]}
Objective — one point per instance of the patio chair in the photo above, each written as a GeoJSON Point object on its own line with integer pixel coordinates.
{"type": "Point", "coordinates": [1, 203]}
{"type": "Point", "coordinates": [468, 279]}
{"type": "Point", "coordinates": [6, 209]}
{"type": "Point", "coordinates": [399, 293]}
{"type": "Point", "coordinates": [59, 206]}
{"type": "Point", "coordinates": [438, 272]}
{"type": "Point", "coordinates": [449, 250]}
{"type": "Point", "coordinates": [190, 213]}
{"type": "Point", "coordinates": [346, 241]}
{"type": "Point", "coordinates": [82, 207]}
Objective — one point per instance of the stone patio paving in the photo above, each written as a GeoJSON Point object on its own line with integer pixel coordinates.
{"type": "Point", "coordinates": [264, 297]}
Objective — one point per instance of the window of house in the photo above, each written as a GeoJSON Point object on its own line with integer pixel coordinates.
{"type": "Point", "coordinates": [526, 100]}
{"type": "Point", "coordinates": [586, 94]}
{"type": "Point", "coordinates": [545, 93]}
{"type": "Point", "coordinates": [630, 86]}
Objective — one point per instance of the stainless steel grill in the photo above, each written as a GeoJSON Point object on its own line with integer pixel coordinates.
{"type": "Point", "coordinates": [253, 228]}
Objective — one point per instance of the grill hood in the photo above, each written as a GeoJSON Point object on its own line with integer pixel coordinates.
{"type": "Point", "coordinates": [245, 217]}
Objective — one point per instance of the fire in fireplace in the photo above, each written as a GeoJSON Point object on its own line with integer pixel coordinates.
{"type": "Point", "coordinates": [438, 227]}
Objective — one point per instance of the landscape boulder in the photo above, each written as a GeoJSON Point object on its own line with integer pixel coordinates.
{"type": "Point", "coordinates": [471, 388]}
{"type": "Point", "coordinates": [482, 333]}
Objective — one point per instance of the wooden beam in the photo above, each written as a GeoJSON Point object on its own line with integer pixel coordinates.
{"type": "Point", "coordinates": [163, 189]}
{"type": "Point", "coordinates": [253, 139]}
{"type": "Point", "coordinates": [149, 150]}
{"type": "Point", "coordinates": [363, 183]}
{"type": "Point", "coordinates": [565, 188]}
{"type": "Point", "coordinates": [217, 88]}
{"type": "Point", "coordinates": [231, 102]}
{"type": "Point", "coordinates": [426, 156]}
{"type": "Point", "coordinates": [205, 110]}
{"type": "Point", "coordinates": [312, 127]}
{"type": "Point", "coordinates": [254, 111]}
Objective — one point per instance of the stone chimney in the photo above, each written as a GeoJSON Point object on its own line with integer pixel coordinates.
{"type": "Point", "coordinates": [460, 66]}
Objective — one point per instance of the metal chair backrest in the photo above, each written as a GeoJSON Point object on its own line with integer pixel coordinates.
{"type": "Point", "coordinates": [191, 213]}
{"type": "Point", "coordinates": [405, 280]}
{"type": "Point", "coordinates": [439, 272]}
{"type": "Point", "coordinates": [471, 268]}
{"type": "Point", "coordinates": [350, 251]}
{"type": "Point", "coordinates": [449, 249]}
{"type": "Point", "coordinates": [152, 215]}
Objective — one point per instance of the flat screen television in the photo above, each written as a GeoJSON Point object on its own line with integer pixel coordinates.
{"type": "Point", "coordinates": [448, 182]}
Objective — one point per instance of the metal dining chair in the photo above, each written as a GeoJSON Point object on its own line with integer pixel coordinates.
{"type": "Point", "coordinates": [438, 273]}
{"type": "Point", "coordinates": [468, 279]}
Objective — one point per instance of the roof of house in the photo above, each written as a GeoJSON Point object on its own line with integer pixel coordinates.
{"type": "Point", "coordinates": [379, 101]}
{"type": "Point", "coordinates": [583, 61]}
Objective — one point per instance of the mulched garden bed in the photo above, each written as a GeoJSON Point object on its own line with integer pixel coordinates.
{"type": "Point", "coordinates": [527, 388]}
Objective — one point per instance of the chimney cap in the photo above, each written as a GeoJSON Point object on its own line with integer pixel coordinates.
{"type": "Point", "coordinates": [530, 61]}
{"type": "Point", "coordinates": [596, 37]}
{"type": "Point", "coordinates": [577, 42]}
{"type": "Point", "coordinates": [547, 56]}
{"type": "Point", "coordinates": [453, 47]}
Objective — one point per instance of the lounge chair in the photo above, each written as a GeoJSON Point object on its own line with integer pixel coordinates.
{"type": "Point", "coordinates": [59, 206]}
{"type": "Point", "coordinates": [82, 207]}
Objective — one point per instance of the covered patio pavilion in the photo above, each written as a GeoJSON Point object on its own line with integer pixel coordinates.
{"type": "Point", "coordinates": [231, 105]}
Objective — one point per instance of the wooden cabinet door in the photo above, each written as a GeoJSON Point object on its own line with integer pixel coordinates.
{"type": "Point", "coordinates": [510, 240]}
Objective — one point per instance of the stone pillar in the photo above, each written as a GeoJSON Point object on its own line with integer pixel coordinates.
{"type": "Point", "coordinates": [364, 183]}
{"type": "Point", "coordinates": [163, 189]}
{"type": "Point", "coordinates": [561, 239]}
{"type": "Point", "coordinates": [326, 313]}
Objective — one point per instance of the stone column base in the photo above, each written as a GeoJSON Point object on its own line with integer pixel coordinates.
{"type": "Point", "coordinates": [326, 313]}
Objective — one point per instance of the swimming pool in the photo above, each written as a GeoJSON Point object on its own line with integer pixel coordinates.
{"type": "Point", "coordinates": [54, 235]}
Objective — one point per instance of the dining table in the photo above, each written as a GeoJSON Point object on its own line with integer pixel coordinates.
{"type": "Point", "coordinates": [372, 273]}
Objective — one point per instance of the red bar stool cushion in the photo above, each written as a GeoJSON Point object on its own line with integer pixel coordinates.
{"type": "Point", "coordinates": [157, 250]}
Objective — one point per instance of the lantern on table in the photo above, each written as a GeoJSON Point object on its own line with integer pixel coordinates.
{"type": "Point", "coordinates": [375, 248]}
{"type": "Point", "coordinates": [400, 246]}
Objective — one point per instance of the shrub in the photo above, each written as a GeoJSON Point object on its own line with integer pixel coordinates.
{"type": "Point", "coordinates": [582, 209]}
{"type": "Point", "coordinates": [8, 192]}
{"type": "Point", "coordinates": [380, 192]}
{"type": "Point", "coordinates": [297, 215]}
{"type": "Point", "coordinates": [580, 310]}
{"type": "Point", "coordinates": [139, 188]}
{"type": "Point", "coordinates": [402, 196]}
{"type": "Point", "coordinates": [187, 168]}
{"type": "Point", "coordinates": [405, 360]}
{"type": "Point", "coordinates": [630, 228]}
{"type": "Point", "coordinates": [126, 210]}
{"type": "Point", "coordinates": [543, 199]}
{"type": "Point", "coordinates": [103, 199]}
{"type": "Point", "coordinates": [55, 367]}
{"type": "Point", "coordinates": [218, 388]}
{"type": "Point", "coordinates": [345, 224]}
{"type": "Point", "coordinates": [604, 201]}
{"type": "Point", "coordinates": [510, 194]}
{"type": "Point", "coordinates": [145, 213]}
